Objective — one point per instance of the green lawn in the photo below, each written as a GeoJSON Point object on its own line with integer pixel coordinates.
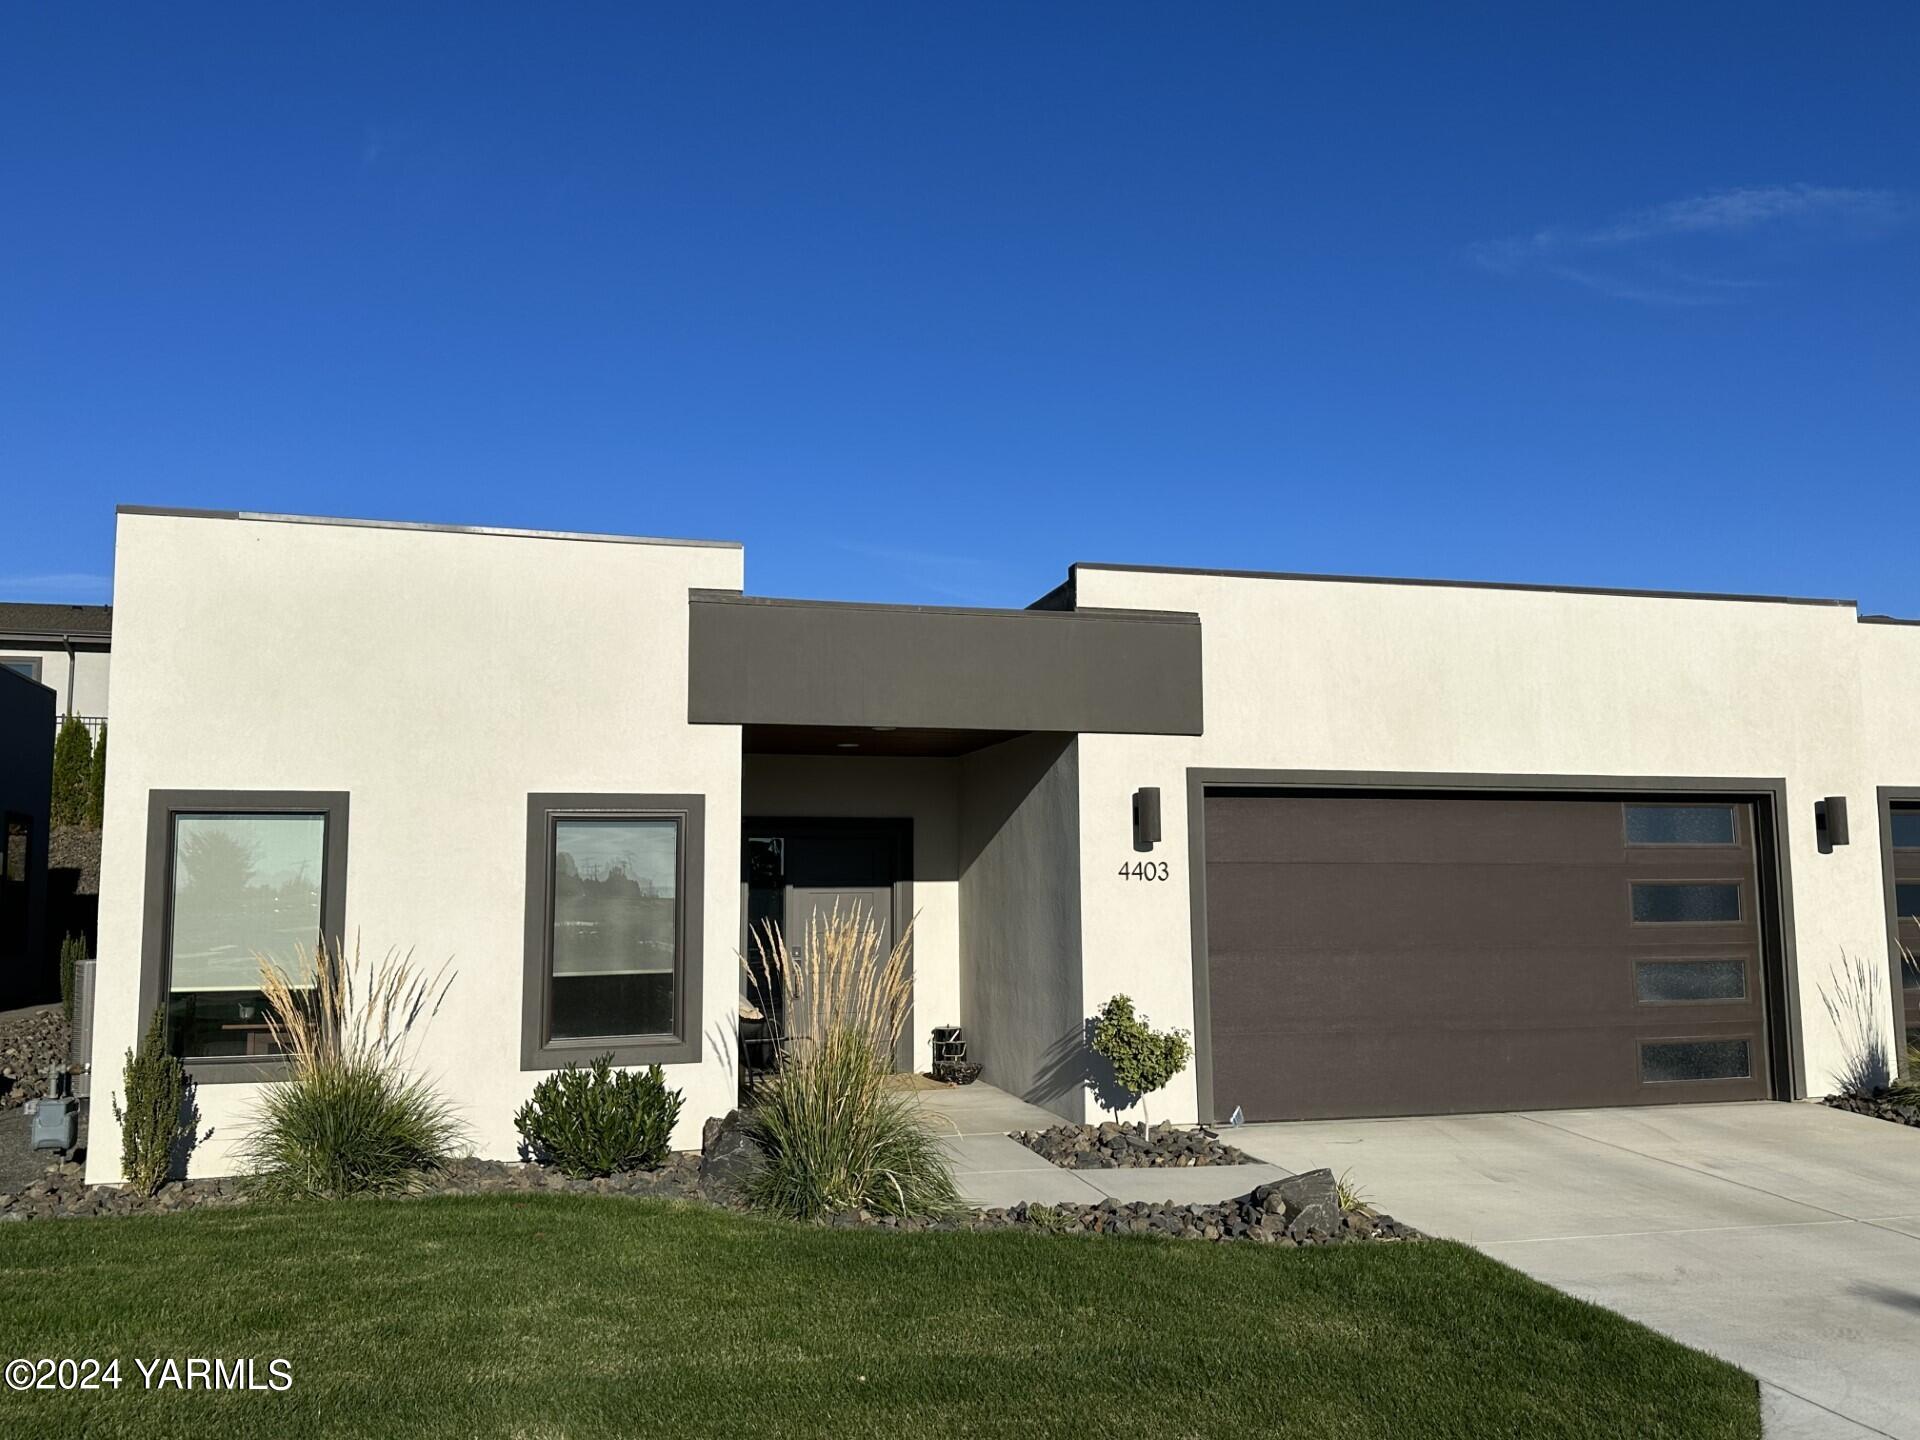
{"type": "Point", "coordinates": [559, 1317]}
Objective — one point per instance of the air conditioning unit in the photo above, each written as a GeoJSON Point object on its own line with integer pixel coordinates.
{"type": "Point", "coordinates": [80, 1048]}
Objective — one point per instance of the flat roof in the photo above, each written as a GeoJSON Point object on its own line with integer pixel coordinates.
{"type": "Point", "coordinates": [1459, 584]}
{"type": "Point", "coordinates": [179, 512]}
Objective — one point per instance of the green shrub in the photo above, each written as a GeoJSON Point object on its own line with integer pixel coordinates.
{"type": "Point", "coordinates": [73, 950]}
{"type": "Point", "coordinates": [72, 762]}
{"type": "Point", "coordinates": [157, 1117]}
{"type": "Point", "coordinates": [836, 1131]}
{"type": "Point", "coordinates": [350, 1119]}
{"type": "Point", "coordinates": [1143, 1059]}
{"type": "Point", "coordinates": [600, 1120]}
{"type": "Point", "coordinates": [97, 781]}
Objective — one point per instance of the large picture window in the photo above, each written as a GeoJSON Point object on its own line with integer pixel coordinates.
{"type": "Point", "coordinates": [235, 880]}
{"type": "Point", "coordinates": [613, 884]}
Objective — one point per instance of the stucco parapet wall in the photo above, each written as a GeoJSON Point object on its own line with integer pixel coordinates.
{"type": "Point", "coordinates": [1065, 593]}
{"type": "Point", "coordinates": [262, 516]}
{"type": "Point", "coordinates": [756, 660]}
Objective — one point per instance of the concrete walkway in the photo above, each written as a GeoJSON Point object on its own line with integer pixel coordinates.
{"type": "Point", "coordinates": [1785, 1238]}
{"type": "Point", "coordinates": [992, 1170]}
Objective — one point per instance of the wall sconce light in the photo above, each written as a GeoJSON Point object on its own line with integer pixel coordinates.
{"type": "Point", "coordinates": [1146, 817]}
{"type": "Point", "coordinates": [1830, 822]}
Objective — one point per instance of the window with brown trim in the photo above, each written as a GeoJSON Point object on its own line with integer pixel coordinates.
{"type": "Point", "coordinates": [236, 880]}
{"type": "Point", "coordinates": [613, 928]}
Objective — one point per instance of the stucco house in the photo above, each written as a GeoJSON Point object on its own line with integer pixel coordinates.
{"type": "Point", "coordinates": [67, 648]}
{"type": "Point", "coordinates": [1384, 847]}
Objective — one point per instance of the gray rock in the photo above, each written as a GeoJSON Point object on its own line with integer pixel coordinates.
{"type": "Point", "coordinates": [1311, 1202]}
{"type": "Point", "coordinates": [729, 1157]}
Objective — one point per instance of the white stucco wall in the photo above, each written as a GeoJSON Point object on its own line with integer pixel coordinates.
{"type": "Point", "coordinates": [79, 688]}
{"type": "Point", "coordinates": [923, 790]}
{"type": "Point", "coordinates": [1890, 691]}
{"type": "Point", "coordinates": [439, 678]}
{"type": "Point", "coordinates": [1347, 676]}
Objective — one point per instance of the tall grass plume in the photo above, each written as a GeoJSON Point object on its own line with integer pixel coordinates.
{"type": "Point", "coordinates": [838, 1133]}
{"type": "Point", "coordinates": [352, 1117]}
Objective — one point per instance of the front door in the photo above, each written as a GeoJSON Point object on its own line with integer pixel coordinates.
{"type": "Point", "coordinates": [794, 869]}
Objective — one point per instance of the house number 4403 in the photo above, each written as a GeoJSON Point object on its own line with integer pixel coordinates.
{"type": "Point", "coordinates": [1145, 870]}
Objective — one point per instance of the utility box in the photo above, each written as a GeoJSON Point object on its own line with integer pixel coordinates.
{"type": "Point", "coordinates": [54, 1120]}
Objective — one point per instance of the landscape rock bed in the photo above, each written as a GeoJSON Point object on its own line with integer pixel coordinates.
{"type": "Point", "coordinates": [61, 1194]}
{"type": "Point", "coordinates": [1900, 1106]}
{"type": "Point", "coordinates": [1112, 1146]}
{"type": "Point", "coordinates": [1300, 1210]}
{"type": "Point", "coordinates": [30, 1041]}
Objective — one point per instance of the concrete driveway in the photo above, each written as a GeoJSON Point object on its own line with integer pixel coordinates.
{"type": "Point", "coordinates": [1785, 1238]}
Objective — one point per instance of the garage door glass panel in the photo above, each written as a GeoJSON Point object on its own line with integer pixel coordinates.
{"type": "Point", "coordinates": [1681, 981]}
{"type": "Point", "coordinates": [1906, 829]}
{"type": "Point", "coordinates": [1906, 901]}
{"type": "Point", "coordinates": [1683, 903]}
{"type": "Point", "coordinates": [1680, 825]}
{"type": "Point", "coordinates": [1663, 1061]}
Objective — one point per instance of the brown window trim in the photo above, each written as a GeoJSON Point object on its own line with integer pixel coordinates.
{"type": "Point", "coordinates": [157, 916]}
{"type": "Point", "coordinates": [538, 1051]}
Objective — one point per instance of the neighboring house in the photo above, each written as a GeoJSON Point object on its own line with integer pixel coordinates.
{"type": "Point", "coordinates": [26, 787]}
{"type": "Point", "coordinates": [65, 648]}
{"type": "Point", "coordinates": [1383, 847]}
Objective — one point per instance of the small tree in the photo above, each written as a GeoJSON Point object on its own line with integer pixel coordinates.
{"type": "Point", "coordinates": [72, 762]}
{"type": "Point", "coordinates": [1143, 1059]}
{"type": "Point", "coordinates": [97, 781]}
{"type": "Point", "coordinates": [151, 1124]}
{"type": "Point", "coordinates": [73, 950]}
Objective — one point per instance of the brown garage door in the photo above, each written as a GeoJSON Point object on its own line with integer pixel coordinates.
{"type": "Point", "coordinates": [1397, 954]}
{"type": "Point", "coordinates": [1906, 902]}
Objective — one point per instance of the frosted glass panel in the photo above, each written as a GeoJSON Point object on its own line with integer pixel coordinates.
{"type": "Point", "coordinates": [1686, 903]}
{"type": "Point", "coordinates": [243, 886]}
{"type": "Point", "coordinates": [1680, 825]}
{"type": "Point", "coordinates": [1668, 1060]}
{"type": "Point", "coordinates": [1662, 981]}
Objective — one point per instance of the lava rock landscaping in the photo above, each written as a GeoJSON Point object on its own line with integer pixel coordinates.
{"type": "Point", "coordinates": [1113, 1146]}
{"type": "Point", "coordinates": [1300, 1210]}
{"type": "Point", "coordinates": [62, 1194]}
{"type": "Point", "coordinates": [31, 1041]}
{"type": "Point", "coordinates": [1900, 1106]}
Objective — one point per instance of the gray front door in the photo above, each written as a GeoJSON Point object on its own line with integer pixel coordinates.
{"type": "Point", "coordinates": [805, 902]}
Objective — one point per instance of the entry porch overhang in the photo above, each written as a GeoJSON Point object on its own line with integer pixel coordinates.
{"type": "Point", "coordinates": [798, 673]}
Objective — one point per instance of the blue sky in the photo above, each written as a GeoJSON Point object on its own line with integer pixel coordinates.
{"type": "Point", "coordinates": [923, 303]}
